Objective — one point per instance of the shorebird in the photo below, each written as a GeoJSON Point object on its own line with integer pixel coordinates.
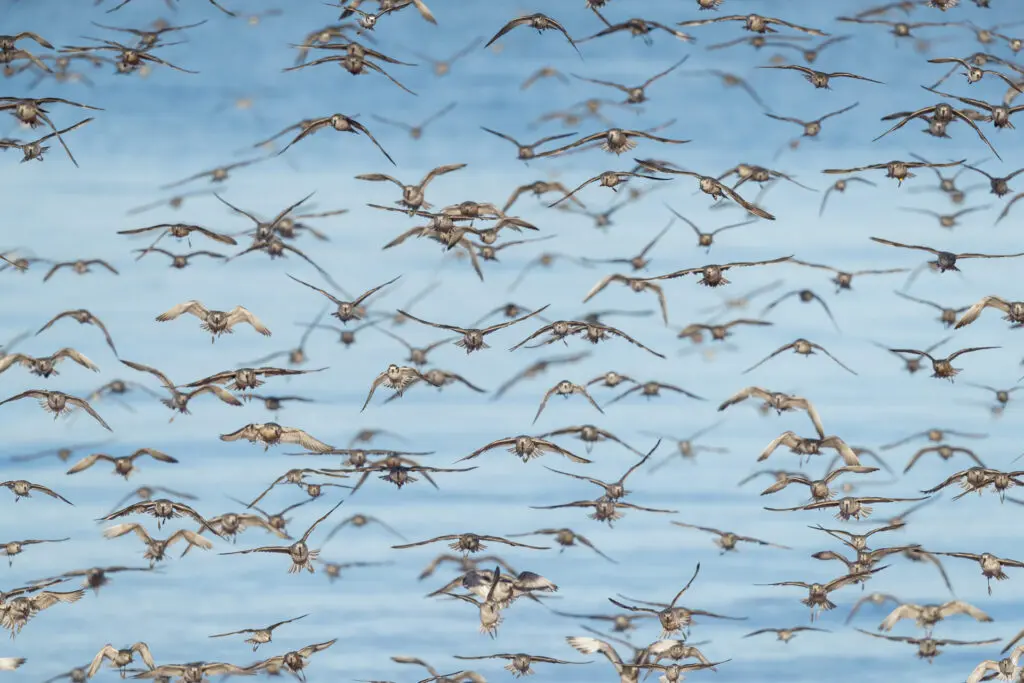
{"type": "Point", "coordinates": [991, 565]}
{"type": "Point", "coordinates": [819, 488]}
{"type": "Point", "coordinates": [520, 664]}
{"type": "Point", "coordinates": [59, 404]}
{"type": "Point", "coordinates": [120, 659]}
{"type": "Point", "coordinates": [470, 543]}
{"type": "Point", "coordinates": [942, 368]}
{"type": "Point", "coordinates": [215, 322]}
{"type": "Point", "coordinates": [818, 593]}
{"type": "Point", "coordinates": [271, 434]}
{"type": "Point", "coordinates": [259, 636]}
{"type": "Point", "coordinates": [156, 549]}
{"type": "Point", "coordinates": [927, 616]}
{"type": "Point", "coordinates": [802, 347]}
{"type": "Point", "coordinates": [786, 634]}
{"type": "Point", "coordinates": [727, 540]}
{"type": "Point", "coordinates": [526, 448]}
{"type": "Point", "coordinates": [298, 552]}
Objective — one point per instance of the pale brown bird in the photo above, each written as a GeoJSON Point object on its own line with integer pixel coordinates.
{"type": "Point", "coordinates": [566, 538]}
{"type": "Point", "coordinates": [819, 489]}
{"type": "Point", "coordinates": [80, 267]}
{"type": "Point", "coordinates": [23, 489]}
{"type": "Point", "coordinates": [652, 389]}
{"type": "Point", "coordinates": [156, 549]}
{"type": "Point", "coordinates": [179, 400]}
{"type": "Point", "coordinates": [710, 186]}
{"type": "Point", "coordinates": [161, 508]}
{"type": "Point", "coordinates": [520, 664]}
{"type": "Point", "coordinates": [358, 521]}
{"type": "Point", "coordinates": [617, 489]}
{"type": "Point", "coordinates": [124, 466]}
{"type": "Point", "coordinates": [347, 310]}
{"type": "Point", "coordinates": [527, 448]}
{"type": "Point", "coordinates": [247, 378]}
{"type": "Point", "coordinates": [295, 661]}
{"type": "Point", "coordinates": [638, 285]}
{"type": "Point", "coordinates": [944, 451]}
{"type": "Point", "coordinates": [299, 552]}
{"type": "Point", "coordinates": [34, 150]}
{"type": "Point", "coordinates": [526, 152]}
{"type": "Point", "coordinates": [59, 404]}
{"type": "Point", "coordinates": [897, 170]}
{"type": "Point", "coordinates": [805, 296]}
{"type": "Point", "coordinates": [818, 593]}
{"type": "Point", "coordinates": [605, 509]}
{"type": "Point", "coordinates": [337, 122]}
{"type": "Point", "coordinates": [565, 388]}
{"type": "Point", "coordinates": [820, 79]}
{"type": "Point", "coordinates": [712, 275]}
{"type": "Point", "coordinates": [840, 186]}
{"type": "Point", "coordinates": [991, 565]}
{"type": "Point", "coordinates": [844, 278]}
{"type": "Point", "coordinates": [398, 378]}
{"type": "Point", "coordinates": [473, 338]}
{"type": "Point", "coordinates": [540, 22]}
{"type": "Point", "coordinates": [271, 434]}
{"type": "Point", "coordinates": [786, 634]}
{"type": "Point", "coordinates": [181, 231]}
{"type": "Point", "coordinates": [120, 659]}
{"type": "Point", "coordinates": [707, 239]}
{"type": "Point", "coordinates": [442, 67]}
{"type": "Point", "coordinates": [942, 368]}
{"type": "Point", "coordinates": [927, 616]}
{"type": "Point", "coordinates": [609, 179]}
{"type": "Point", "coordinates": [259, 636]}
{"type": "Point", "coordinates": [470, 543]}
{"type": "Point", "coordinates": [673, 618]}
{"type": "Point", "coordinates": [215, 322]}
{"type": "Point", "coordinates": [848, 507]}
{"type": "Point", "coordinates": [727, 540]}
{"type": "Point", "coordinates": [753, 22]}
{"type": "Point", "coordinates": [46, 366]}
{"type": "Point", "coordinates": [413, 196]}
{"type": "Point", "coordinates": [83, 317]}
{"type": "Point", "coordinates": [1014, 311]}
{"type": "Point", "coordinates": [803, 446]}
{"type": "Point", "coordinates": [613, 140]}
{"type": "Point", "coordinates": [218, 174]}
{"type": "Point", "coordinates": [636, 94]}
{"type": "Point", "coordinates": [803, 348]}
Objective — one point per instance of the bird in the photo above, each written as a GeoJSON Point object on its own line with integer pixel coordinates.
{"type": "Point", "coordinates": [272, 434]}
{"type": "Point", "coordinates": [520, 664]}
{"type": "Point", "coordinates": [215, 322]}
{"type": "Point", "coordinates": [540, 22]}
{"type": "Point", "coordinates": [259, 636]}
{"type": "Point", "coordinates": [59, 404]}
{"type": "Point", "coordinates": [820, 79]}
{"type": "Point", "coordinates": [710, 186]}
{"type": "Point", "coordinates": [299, 553]}
{"type": "Point", "coordinates": [727, 540]}
{"type": "Point", "coordinates": [804, 348]}
{"type": "Point", "coordinates": [942, 368]}
{"type": "Point", "coordinates": [83, 317]}
{"type": "Point", "coordinates": [470, 543]}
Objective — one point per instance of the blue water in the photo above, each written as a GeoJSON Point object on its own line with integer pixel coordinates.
{"type": "Point", "coordinates": [165, 127]}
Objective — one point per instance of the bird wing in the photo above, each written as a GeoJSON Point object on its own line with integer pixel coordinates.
{"type": "Point", "coordinates": [84, 405]}
{"type": "Point", "coordinates": [194, 307]}
{"type": "Point", "coordinates": [75, 356]}
{"type": "Point", "coordinates": [239, 314]}
{"type": "Point", "coordinates": [298, 436]}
